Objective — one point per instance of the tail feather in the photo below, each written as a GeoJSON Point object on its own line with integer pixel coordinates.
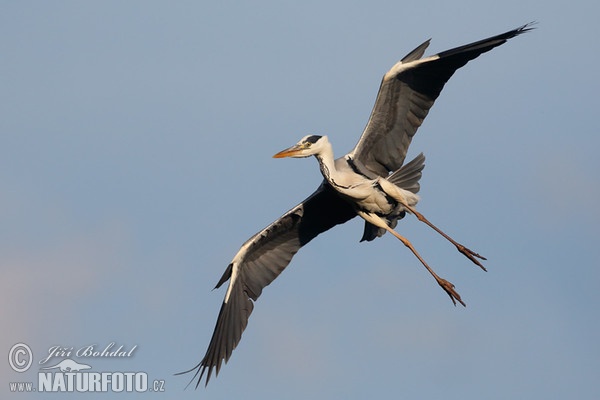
{"type": "Point", "coordinates": [408, 176]}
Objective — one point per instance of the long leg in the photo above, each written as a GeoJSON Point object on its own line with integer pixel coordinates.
{"type": "Point", "coordinates": [397, 194]}
{"type": "Point", "coordinates": [470, 254]}
{"type": "Point", "coordinates": [447, 286]}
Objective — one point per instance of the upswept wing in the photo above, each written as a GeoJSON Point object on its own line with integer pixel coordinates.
{"type": "Point", "coordinates": [407, 92]}
{"type": "Point", "coordinates": [260, 260]}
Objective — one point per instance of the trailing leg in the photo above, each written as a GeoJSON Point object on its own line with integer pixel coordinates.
{"type": "Point", "coordinates": [470, 254]}
{"type": "Point", "coordinates": [447, 286]}
{"type": "Point", "coordinates": [397, 194]}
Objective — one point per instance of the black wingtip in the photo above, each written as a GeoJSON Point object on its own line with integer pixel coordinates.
{"type": "Point", "coordinates": [528, 26]}
{"type": "Point", "coordinates": [518, 31]}
{"type": "Point", "coordinates": [522, 29]}
{"type": "Point", "coordinates": [482, 46]}
{"type": "Point", "coordinates": [199, 369]}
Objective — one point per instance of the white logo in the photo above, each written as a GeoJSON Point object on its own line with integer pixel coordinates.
{"type": "Point", "coordinates": [68, 365]}
{"type": "Point", "coordinates": [20, 357]}
{"type": "Point", "coordinates": [70, 379]}
{"type": "Point", "coordinates": [68, 375]}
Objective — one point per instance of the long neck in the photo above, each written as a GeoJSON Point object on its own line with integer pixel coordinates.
{"type": "Point", "coordinates": [327, 164]}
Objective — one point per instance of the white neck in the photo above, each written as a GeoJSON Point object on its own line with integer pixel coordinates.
{"type": "Point", "coordinates": [326, 163]}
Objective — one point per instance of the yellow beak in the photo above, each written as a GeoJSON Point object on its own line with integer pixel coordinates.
{"type": "Point", "coordinates": [290, 151]}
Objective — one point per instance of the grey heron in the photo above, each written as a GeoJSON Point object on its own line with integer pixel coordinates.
{"type": "Point", "coordinates": [371, 181]}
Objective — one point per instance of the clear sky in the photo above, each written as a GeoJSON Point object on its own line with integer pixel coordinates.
{"type": "Point", "coordinates": [135, 158]}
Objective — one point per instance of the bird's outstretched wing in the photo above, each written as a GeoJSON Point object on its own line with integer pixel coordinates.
{"type": "Point", "coordinates": [407, 92]}
{"type": "Point", "coordinates": [260, 260]}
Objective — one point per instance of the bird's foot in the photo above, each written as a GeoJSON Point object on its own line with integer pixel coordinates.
{"type": "Point", "coordinates": [471, 255]}
{"type": "Point", "coordinates": [449, 289]}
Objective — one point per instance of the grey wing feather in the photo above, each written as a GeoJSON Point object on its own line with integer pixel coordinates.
{"type": "Point", "coordinates": [409, 175]}
{"type": "Point", "coordinates": [406, 94]}
{"type": "Point", "coordinates": [261, 259]}
{"type": "Point", "coordinates": [417, 53]}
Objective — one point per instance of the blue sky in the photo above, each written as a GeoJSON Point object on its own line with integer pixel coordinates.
{"type": "Point", "coordinates": [136, 158]}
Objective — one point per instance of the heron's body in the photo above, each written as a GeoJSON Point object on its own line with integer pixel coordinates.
{"type": "Point", "coordinates": [372, 181]}
{"type": "Point", "coordinates": [363, 193]}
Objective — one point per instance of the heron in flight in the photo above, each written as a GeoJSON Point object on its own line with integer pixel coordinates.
{"type": "Point", "coordinates": [371, 181]}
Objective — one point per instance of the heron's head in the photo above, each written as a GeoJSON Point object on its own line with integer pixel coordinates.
{"type": "Point", "coordinates": [307, 146]}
